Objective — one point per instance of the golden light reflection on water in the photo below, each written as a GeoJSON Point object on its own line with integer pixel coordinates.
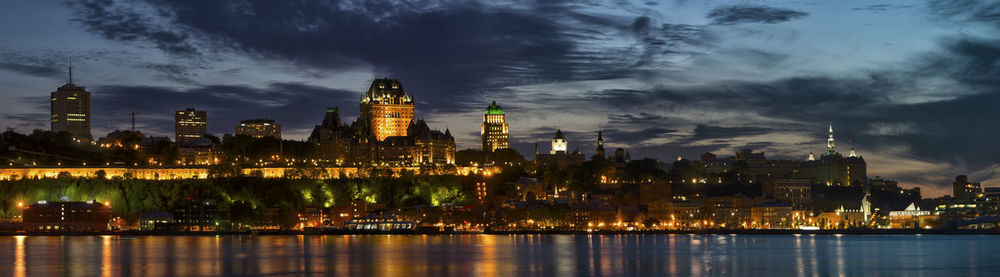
{"type": "Point", "coordinates": [488, 252]}
{"type": "Point", "coordinates": [20, 266]}
{"type": "Point", "coordinates": [491, 255]}
{"type": "Point", "coordinates": [106, 256]}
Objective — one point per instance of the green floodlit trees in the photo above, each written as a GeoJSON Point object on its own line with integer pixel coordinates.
{"type": "Point", "coordinates": [247, 198]}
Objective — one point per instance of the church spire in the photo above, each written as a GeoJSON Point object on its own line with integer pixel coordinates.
{"type": "Point", "coordinates": [830, 149]}
{"type": "Point", "coordinates": [853, 154]}
{"type": "Point", "coordinates": [600, 143]}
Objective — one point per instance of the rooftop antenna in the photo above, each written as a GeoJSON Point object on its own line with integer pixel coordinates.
{"type": "Point", "coordinates": [70, 69]}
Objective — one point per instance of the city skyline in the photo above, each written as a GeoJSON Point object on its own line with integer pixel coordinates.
{"type": "Point", "coordinates": [667, 80]}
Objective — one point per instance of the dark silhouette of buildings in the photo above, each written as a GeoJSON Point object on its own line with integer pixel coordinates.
{"type": "Point", "coordinates": [832, 168]}
{"type": "Point", "coordinates": [90, 216]}
{"type": "Point", "coordinates": [965, 190]}
{"type": "Point", "coordinates": [259, 128]}
{"type": "Point", "coordinates": [385, 133]}
{"type": "Point", "coordinates": [558, 156]}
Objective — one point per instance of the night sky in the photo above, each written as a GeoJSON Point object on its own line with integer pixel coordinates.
{"type": "Point", "coordinates": [915, 84]}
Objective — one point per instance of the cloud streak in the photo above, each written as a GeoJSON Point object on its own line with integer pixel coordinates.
{"type": "Point", "coordinates": [750, 13]}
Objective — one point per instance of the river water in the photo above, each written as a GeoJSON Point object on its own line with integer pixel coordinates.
{"type": "Point", "coordinates": [503, 255]}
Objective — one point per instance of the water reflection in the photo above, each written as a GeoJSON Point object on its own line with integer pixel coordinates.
{"type": "Point", "coordinates": [499, 255]}
{"type": "Point", "coordinates": [106, 256]}
{"type": "Point", "coordinates": [19, 265]}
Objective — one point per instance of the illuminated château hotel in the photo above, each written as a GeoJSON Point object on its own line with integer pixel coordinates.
{"type": "Point", "coordinates": [494, 131]}
{"type": "Point", "coordinates": [387, 109]}
{"type": "Point", "coordinates": [385, 133]}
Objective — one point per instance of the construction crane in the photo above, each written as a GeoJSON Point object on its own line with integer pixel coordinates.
{"type": "Point", "coordinates": [131, 114]}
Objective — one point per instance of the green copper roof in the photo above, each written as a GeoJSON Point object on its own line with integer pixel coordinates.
{"type": "Point", "coordinates": [494, 109]}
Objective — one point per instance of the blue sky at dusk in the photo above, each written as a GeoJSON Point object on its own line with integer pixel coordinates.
{"type": "Point", "coordinates": [914, 84]}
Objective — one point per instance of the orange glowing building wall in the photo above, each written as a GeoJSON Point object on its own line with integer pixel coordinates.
{"type": "Point", "coordinates": [387, 109]}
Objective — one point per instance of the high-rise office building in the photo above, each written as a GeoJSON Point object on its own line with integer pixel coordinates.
{"type": "Point", "coordinates": [494, 131]}
{"type": "Point", "coordinates": [965, 190]}
{"type": "Point", "coordinates": [190, 124]}
{"type": "Point", "coordinates": [259, 128]}
{"type": "Point", "coordinates": [71, 110]}
{"type": "Point", "coordinates": [387, 109]}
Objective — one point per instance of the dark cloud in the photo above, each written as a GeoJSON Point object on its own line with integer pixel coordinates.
{"type": "Point", "coordinates": [33, 70]}
{"type": "Point", "coordinates": [636, 137]}
{"type": "Point", "coordinates": [124, 23]}
{"type": "Point", "coordinates": [707, 132]}
{"type": "Point", "coordinates": [172, 72]}
{"type": "Point", "coordinates": [26, 123]}
{"type": "Point", "coordinates": [296, 106]}
{"type": "Point", "coordinates": [959, 11]}
{"type": "Point", "coordinates": [665, 40]}
{"type": "Point", "coordinates": [888, 109]}
{"type": "Point", "coordinates": [750, 13]}
{"type": "Point", "coordinates": [441, 50]}
{"type": "Point", "coordinates": [882, 7]}
{"type": "Point", "coordinates": [638, 118]}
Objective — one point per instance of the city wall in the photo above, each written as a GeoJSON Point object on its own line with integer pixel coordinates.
{"type": "Point", "coordinates": [192, 172]}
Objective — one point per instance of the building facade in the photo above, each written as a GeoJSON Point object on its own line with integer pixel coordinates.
{"type": "Point", "coordinates": [558, 156]}
{"type": "Point", "coordinates": [559, 143]}
{"type": "Point", "coordinates": [189, 124]}
{"type": "Point", "coordinates": [965, 190]}
{"type": "Point", "coordinates": [384, 134]}
{"type": "Point", "coordinates": [794, 191]}
{"type": "Point", "coordinates": [387, 109]}
{"type": "Point", "coordinates": [90, 216]}
{"type": "Point", "coordinates": [835, 169]}
{"type": "Point", "coordinates": [259, 128]}
{"type": "Point", "coordinates": [494, 129]}
{"type": "Point", "coordinates": [70, 105]}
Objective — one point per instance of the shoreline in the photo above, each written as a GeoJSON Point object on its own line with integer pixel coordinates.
{"type": "Point", "coordinates": [553, 232]}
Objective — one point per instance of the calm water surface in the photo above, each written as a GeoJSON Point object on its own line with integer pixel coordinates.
{"type": "Point", "coordinates": [503, 255]}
